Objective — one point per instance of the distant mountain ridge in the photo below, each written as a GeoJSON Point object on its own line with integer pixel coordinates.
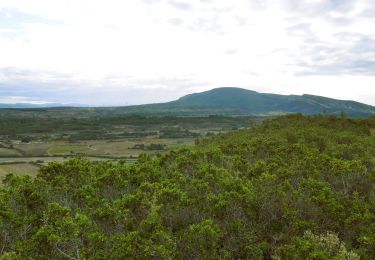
{"type": "Point", "coordinates": [238, 101]}
{"type": "Point", "coordinates": [227, 101]}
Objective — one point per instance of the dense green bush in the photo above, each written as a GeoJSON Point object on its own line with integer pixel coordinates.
{"type": "Point", "coordinates": [292, 188]}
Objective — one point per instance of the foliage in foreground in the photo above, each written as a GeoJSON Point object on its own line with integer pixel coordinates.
{"type": "Point", "coordinates": [292, 188]}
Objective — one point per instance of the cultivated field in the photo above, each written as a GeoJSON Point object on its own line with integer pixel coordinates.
{"type": "Point", "coordinates": [29, 139]}
{"type": "Point", "coordinates": [19, 169]}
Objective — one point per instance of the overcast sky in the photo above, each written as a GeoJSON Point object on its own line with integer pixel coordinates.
{"type": "Point", "coordinates": [123, 52]}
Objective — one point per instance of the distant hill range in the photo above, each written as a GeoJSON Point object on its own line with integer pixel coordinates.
{"type": "Point", "coordinates": [238, 101]}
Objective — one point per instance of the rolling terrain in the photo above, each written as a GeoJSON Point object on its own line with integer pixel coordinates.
{"type": "Point", "coordinates": [294, 187]}
{"type": "Point", "coordinates": [237, 101]}
{"type": "Point", "coordinates": [219, 101]}
{"type": "Point", "coordinates": [28, 140]}
{"type": "Point", "coordinates": [153, 181]}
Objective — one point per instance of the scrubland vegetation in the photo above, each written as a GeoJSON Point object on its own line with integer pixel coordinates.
{"type": "Point", "coordinates": [294, 187]}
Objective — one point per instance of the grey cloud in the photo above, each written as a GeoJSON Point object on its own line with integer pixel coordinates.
{"type": "Point", "coordinates": [369, 12]}
{"type": "Point", "coordinates": [302, 30]}
{"type": "Point", "coordinates": [364, 45]}
{"type": "Point", "coordinates": [320, 8]}
{"type": "Point", "coordinates": [334, 12]}
{"type": "Point", "coordinates": [40, 85]}
{"type": "Point", "coordinates": [14, 74]}
{"type": "Point", "coordinates": [339, 21]}
{"type": "Point", "coordinates": [250, 72]}
{"type": "Point", "coordinates": [38, 91]}
{"type": "Point", "coordinates": [207, 16]}
{"type": "Point", "coordinates": [176, 21]}
{"type": "Point", "coordinates": [151, 1]}
{"type": "Point", "coordinates": [144, 91]}
{"type": "Point", "coordinates": [13, 22]}
{"type": "Point", "coordinates": [258, 4]}
{"type": "Point", "coordinates": [14, 19]}
{"type": "Point", "coordinates": [201, 16]}
{"type": "Point", "coordinates": [230, 52]}
{"type": "Point", "coordinates": [199, 24]}
{"type": "Point", "coordinates": [209, 25]}
{"type": "Point", "coordinates": [341, 67]}
{"type": "Point", "coordinates": [350, 53]}
{"type": "Point", "coordinates": [112, 90]}
{"type": "Point", "coordinates": [356, 57]}
{"type": "Point", "coordinates": [180, 5]}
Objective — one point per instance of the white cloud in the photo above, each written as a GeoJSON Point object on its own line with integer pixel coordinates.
{"type": "Point", "coordinates": [130, 51]}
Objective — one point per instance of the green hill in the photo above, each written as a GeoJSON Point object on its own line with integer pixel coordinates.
{"type": "Point", "coordinates": [237, 101]}
{"type": "Point", "coordinates": [219, 101]}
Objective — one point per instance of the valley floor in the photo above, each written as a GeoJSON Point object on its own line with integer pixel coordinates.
{"type": "Point", "coordinates": [29, 140]}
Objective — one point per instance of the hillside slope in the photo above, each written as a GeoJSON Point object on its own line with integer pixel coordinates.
{"type": "Point", "coordinates": [241, 101]}
{"type": "Point", "coordinates": [238, 101]}
{"type": "Point", "coordinates": [294, 187]}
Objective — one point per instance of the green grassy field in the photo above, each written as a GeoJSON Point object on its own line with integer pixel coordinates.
{"type": "Point", "coordinates": [19, 169]}
{"type": "Point", "coordinates": [27, 166]}
{"type": "Point", "coordinates": [35, 149]}
{"type": "Point", "coordinates": [30, 136]}
{"type": "Point", "coordinates": [4, 152]}
{"type": "Point", "coordinates": [67, 149]}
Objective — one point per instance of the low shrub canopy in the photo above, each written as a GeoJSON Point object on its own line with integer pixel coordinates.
{"type": "Point", "coordinates": [294, 187]}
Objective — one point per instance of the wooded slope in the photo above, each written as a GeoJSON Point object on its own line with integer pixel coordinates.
{"type": "Point", "coordinates": [294, 187]}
